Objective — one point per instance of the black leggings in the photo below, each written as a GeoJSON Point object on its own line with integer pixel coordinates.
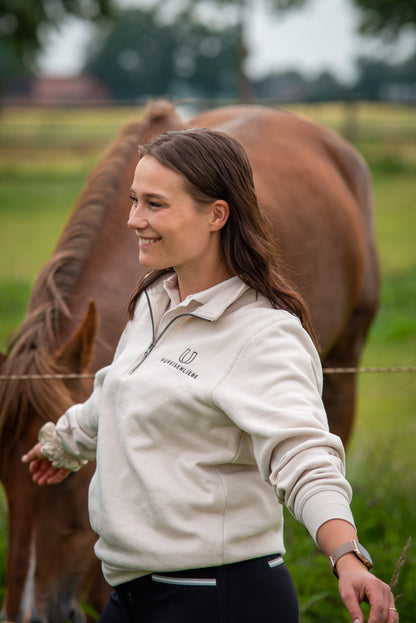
{"type": "Point", "coordinates": [253, 591]}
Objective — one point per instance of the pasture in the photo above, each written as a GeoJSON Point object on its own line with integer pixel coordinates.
{"type": "Point", "coordinates": [45, 158]}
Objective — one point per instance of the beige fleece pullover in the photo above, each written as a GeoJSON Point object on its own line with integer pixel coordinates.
{"type": "Point", "coordinates": [208, 420]}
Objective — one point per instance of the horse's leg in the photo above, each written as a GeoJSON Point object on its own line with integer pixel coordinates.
{"type": "Point", "coordinates": [98, 592]}
{"type": "Point", "coordinates": [339, 393]}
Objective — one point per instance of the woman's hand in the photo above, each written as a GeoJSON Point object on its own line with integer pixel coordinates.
{"type": "Point", "coordinates": [357, 584]}
{"type": "Point", "coordinates": [42, 470]}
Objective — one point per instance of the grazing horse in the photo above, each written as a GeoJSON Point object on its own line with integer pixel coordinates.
{"type": "Point", "coordinates": [315, 191]}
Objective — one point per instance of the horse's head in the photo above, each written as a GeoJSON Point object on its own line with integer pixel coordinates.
{"type": "Point", "coordinates": [51, 564]}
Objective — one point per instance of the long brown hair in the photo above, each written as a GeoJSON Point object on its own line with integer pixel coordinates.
{"type": "Point", "coordinates": [214, 166]}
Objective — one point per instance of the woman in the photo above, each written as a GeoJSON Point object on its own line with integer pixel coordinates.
{"type": "Point", "coordinates": [213, 392]}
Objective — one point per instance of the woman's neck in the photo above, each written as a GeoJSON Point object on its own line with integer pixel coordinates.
{"type": "Point", "coordinates": [197, 282]}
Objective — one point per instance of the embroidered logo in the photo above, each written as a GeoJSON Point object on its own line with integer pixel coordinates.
{"type": "Point", "coordinates": [188, 356]}
{"type": "Point", "coordinates": [179, 367]}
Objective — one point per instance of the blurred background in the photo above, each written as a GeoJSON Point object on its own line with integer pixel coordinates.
{"type": "Point", "coordinates": [73, 73]}
{"type": "Point", "coordinates": [123, 51]}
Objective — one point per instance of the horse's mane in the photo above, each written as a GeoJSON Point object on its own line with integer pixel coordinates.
{"type": "Point", "coordinates": [31, 347]}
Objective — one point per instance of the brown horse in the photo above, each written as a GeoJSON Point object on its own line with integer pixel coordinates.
{"type": "Point", "coordinates": [315, 190]}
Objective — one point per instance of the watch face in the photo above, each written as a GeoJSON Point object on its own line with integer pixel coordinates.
{"type": "Point", "coordinates": [365, 555]}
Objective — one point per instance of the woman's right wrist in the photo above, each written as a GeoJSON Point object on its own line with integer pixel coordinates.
{"type": "Point", "coordinates": [53, 449]}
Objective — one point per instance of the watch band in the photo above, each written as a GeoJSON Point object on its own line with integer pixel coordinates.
{"type": "Point", "coordinates": [353, 547]}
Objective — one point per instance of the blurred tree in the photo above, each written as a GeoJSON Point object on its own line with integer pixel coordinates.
{"type": "Point", "coordinates": [372, 75]}
{"type": "Point", "coordinates": [406, 71]}
{"type": "Point", "coordinates": [282, 86]}
{"type": "Point", "coordinates": [10, 65]}
{"type": "Point", "coordinates": [325, 88]}
{"type": "Point", "coordinates": [379, 79]}
{"type": "Point", "coordinates": [24, 23]}
{"type": "Point", "coordinates": [386, 17]}
{"type": "Point", "coordinates": [241, 19]}
{"type": "Point", "coordinates": [141, 56]}
{"type": "Point", "coordinates": [293, 86]}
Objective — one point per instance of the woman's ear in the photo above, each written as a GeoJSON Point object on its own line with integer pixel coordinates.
{"type": "Point", "coordinates": [220, 211]}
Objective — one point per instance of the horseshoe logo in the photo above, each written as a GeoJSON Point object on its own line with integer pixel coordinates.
{"type": "Point", "coordinates": [188, 356]}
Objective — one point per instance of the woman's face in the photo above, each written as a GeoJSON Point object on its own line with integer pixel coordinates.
{"type": "Point", "coordinates": [172, 231]}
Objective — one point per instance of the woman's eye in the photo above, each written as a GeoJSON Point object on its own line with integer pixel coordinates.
{"type": "Point", "coordinates": [133, 199]}
{"type": "Point", "coordinates": [154, 205]}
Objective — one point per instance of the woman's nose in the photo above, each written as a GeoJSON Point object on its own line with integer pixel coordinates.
{"type": "Point", "coordinates": [137, 218]}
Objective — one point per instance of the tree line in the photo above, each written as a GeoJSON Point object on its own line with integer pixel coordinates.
{"type": "Point", "coordinates": [141, 56]}
{"type": "Point", "coordinates": [140, 52]}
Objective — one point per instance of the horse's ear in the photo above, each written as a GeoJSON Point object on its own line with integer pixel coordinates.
{"type": "Point", "coordinates": [77, 353]}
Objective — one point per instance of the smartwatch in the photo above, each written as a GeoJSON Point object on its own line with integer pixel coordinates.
{"type": "Point", "coordinates": [350, 547]}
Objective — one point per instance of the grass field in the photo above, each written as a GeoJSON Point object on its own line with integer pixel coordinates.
{"type": "Point", "coordinates": [43, 165]}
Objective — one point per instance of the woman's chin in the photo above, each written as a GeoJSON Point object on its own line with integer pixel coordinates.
{"type": "Point", "coordinates": [150, 263]}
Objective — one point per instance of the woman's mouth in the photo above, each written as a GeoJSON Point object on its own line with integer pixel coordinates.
{"type": "Point", "coordinates": [147, 242]}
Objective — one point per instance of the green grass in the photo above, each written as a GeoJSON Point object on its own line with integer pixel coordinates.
{"type": "Point", "coordinates": [32, 216]}
{"type": "Point", "coordinates": [387, 401]}
{"type": "Point", "coordinates": [34, 204]}
{"type": "Point", "coordinates": [48, 158]}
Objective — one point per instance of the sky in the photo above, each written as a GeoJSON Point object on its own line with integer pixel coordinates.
{"type": "Point", "coordinates": [321, 36]}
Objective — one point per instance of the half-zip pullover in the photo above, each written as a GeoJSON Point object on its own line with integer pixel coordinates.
{"type": "Point", "coordinates": [210, 410]}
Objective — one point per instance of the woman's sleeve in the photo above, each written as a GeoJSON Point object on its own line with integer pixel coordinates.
{"type": "Point", "coordinates": [72, 441]}
{"type": "Point", "coordinates": [273, 393]}
{"type": "Point", "coordinates": [77, 429]}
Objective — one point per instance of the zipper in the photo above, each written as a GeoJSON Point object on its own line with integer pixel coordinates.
{"type": "Point", "coordinates": [155, 340]}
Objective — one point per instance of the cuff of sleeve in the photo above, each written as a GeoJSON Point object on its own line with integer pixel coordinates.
{"type": "Point", "coordinates": [53, 450]}
{"type": "Point", "coordinates": [321, 507]}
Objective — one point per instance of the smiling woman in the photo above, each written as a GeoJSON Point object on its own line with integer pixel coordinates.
{"type": "Point", "coordinates": [180, 425]}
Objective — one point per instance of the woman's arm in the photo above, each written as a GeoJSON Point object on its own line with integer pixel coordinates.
{"type": "Point", "coordinates": [277, 401]}
{"type": "Point", "coordinates": [50, 462]}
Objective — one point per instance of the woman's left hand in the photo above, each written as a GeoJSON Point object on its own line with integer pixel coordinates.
{"type": "Point", "coordinates": [357, 584]}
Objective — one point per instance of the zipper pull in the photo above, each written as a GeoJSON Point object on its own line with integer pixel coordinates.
{"type": "Point", "coordinates": [148, 350]}
{"type": "Point", "coordinates": [145, 355]}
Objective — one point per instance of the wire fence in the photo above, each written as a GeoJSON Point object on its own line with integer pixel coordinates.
{"type": "Point", "coordinates": [91, 375]}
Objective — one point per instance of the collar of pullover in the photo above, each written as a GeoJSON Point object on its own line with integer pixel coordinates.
{"type": "Point", "coordinates": [209, 304]}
